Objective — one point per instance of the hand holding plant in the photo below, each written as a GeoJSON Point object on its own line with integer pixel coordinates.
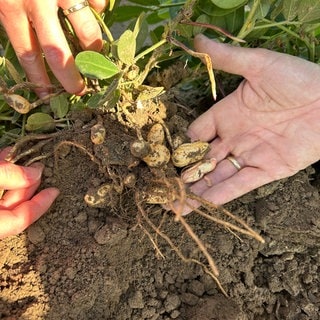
{"type": "Point", "coordinates": [33, 28]}
{"type": "Point", "coordinates": [270, 124]}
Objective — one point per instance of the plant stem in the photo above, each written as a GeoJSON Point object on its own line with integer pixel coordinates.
{"type": "Point", "coordinates": [249, 23]}
{"type": "Point", "coordinates": [150, 49]}
{"type": "Point", "coordinates": [274, 24]}
{"type": "Point", "coordinates": [282, 27]}
{"type": "Point", "coordinates": [4, 118]}
{"type": "Point", "coordinates": [103, 26]}
{"type": "Point", "coordinates": [170, 5]}
{"type": "Point", "coordinates": [295, 35]}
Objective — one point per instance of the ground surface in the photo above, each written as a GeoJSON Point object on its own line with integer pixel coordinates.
{"type": "Point", "coordinates": [79, 262]}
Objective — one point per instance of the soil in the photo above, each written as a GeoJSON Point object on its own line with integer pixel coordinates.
{"type": "Point", "coordinates": [106, 262]}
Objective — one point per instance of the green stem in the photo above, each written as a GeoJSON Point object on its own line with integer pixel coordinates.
{"type": "Point", "coordinates": [295, 35]}
{"type": "Point", "coordinates": [282, 27]}
{"type": "Point", "coordinates": [150, 49]}
{"type": "Point", "coordinates": [170, 5]}
{"type": "Point", "coordinates": [274, 24]}
{"type": "Point", "coordinates": [249, 23]}
{"type": "Point", "coordinates": [5, 53]}
{"type": "Point", "coordinates": [4, 118]}
{"type": "Point", "coordinates": [103, 26]}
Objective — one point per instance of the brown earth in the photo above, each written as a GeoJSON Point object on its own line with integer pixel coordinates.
{"type": "Point", "coordinates": [80, 262]}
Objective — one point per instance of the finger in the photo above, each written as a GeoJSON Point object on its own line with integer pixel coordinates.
{"type": "Point", "coordinates": [55, 46]}
{"type": "Point", "coordinates": [25, 44]}
{"type": "Point", "coordinates": [16, 177]}
{"type": "Point", "coordinates": [15, 221]}
{"type": "Point", "coordinates": [232, 59]}
{"type": "Point", "coordinates": [244, 181]}
{"type": "Point", "coordinates": [13, 198]}
{"type": "Point", "coordinates": [223, 171]}
{"type": "Point", "coordinates": [183, 208]}
{"type": "Point", "coordinates": [85, 26]}
{"type": "Point", "coordinates": [219, 150]}
{"type": "Point", "coordinates": [99, 5]}
{"type": "Point", "coordinates": [4, 152]}
{"type": "Point", "coordinates": [206, 126]}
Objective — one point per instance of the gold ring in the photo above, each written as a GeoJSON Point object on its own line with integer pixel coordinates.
{"type": "Point", "coordinates": [76, 7]}
{"type": "Point", "coordinates": [235, 162]}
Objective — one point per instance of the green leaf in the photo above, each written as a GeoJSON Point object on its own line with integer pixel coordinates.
{"type": "Point", "coordinates": [94, 65]}
{"type": "Point", "coordinates": [7, 136]}
{"type": "Point", "coordinates": [264, 8]}
{"type": "Point", "coordinates": [59, 105]}
{"type": "Point", "coordinates": [126, 13]}
{"type": "Point", "coordinates": [142, 35]}
{"type": "Point", "coordinates": [126, 48]}
{"type": "Point", "coordinates": [156, 34]}
{"type": "Point", "coordinates": [228, 4]}
{"type": "Point", "coordinates": [146, 3]}
{"type": "Point", "coordinates": [158, 16]}
{"type": "Point", "coordinates": [290, 9]}
{"type": "Point", "coordinates": [16, 76]}
{"type": "Point", "coordinates": [111, 4]}
{"type": "Point", "coordinates": [40, 122]}
{"type": "Point", "coordinates": [138, 24]}
{"type": "Point", "coordinates": [309, 11]}
{"type": "Point", "coordinates": [201, 19]}
{"type": "Point", "coordinates": [277, 10]}
{"type": "Point", "coordinates": [235, 20]}
{"type": "Point", "coordinates": [93, 101]}
{"type": "Point", "coordinates": [211, 10]}
{"type": "Point", "coordinates": [185, 30]}
{"type": "Point", "coordinates": [230, 23]}
{"type": "Point", "coordinates": [140, 30]}
{"type": "Point", "coordinates": [79, 105]}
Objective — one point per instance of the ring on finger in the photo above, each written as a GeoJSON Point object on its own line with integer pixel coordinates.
{"type": "Point", "coordinates": [235, 162]}
{"type": "Point", "coordinates": [76, 7]}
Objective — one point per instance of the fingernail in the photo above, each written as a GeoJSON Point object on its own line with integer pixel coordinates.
{"type": "Point", "coordinates": [37, 165]}
{"type": "Point", "coordinates": [33, 173]}
{"type": "Point", "coordinates": [43, 94]}
{"type": "Point", "coordinates": [55, 191]}
{"type": "Point", "coordinates": [82, 92]}
{"type": "Point", "coordinates": [201, 36]}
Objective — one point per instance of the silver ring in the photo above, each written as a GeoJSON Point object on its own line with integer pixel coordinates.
{"type": "Point", "coordinates": [235, 162]}
{"type": "Point", "coordinates": [76, 7]}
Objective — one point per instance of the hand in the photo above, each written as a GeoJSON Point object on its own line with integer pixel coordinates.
{"type": "Point", "coordinates": [33, 27]}
{"type": "Point", "coordinates": [18, 209]}
{"type": "Point", "coordinates": [270, 124]}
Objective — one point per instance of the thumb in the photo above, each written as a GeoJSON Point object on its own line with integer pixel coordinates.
{"type": "Point", "coordinates": [16, 177]}
{"type": "Point", "coordinates": [232, 59]}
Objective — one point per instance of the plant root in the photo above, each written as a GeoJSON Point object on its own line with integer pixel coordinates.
{"type": "Point", "coordinates": [77, 145]}
{"type": "Point", "coordinates": [185, 259]}
{"type": "Point", "coordinates": [14, 155]}
{"type": "Point", "coordinates": [209, 206]}
{"type": "Point", "coordinates": [176, 187]}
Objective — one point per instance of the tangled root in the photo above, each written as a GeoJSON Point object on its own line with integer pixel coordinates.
{"type": "Point", "coordinates": [177, 186]}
